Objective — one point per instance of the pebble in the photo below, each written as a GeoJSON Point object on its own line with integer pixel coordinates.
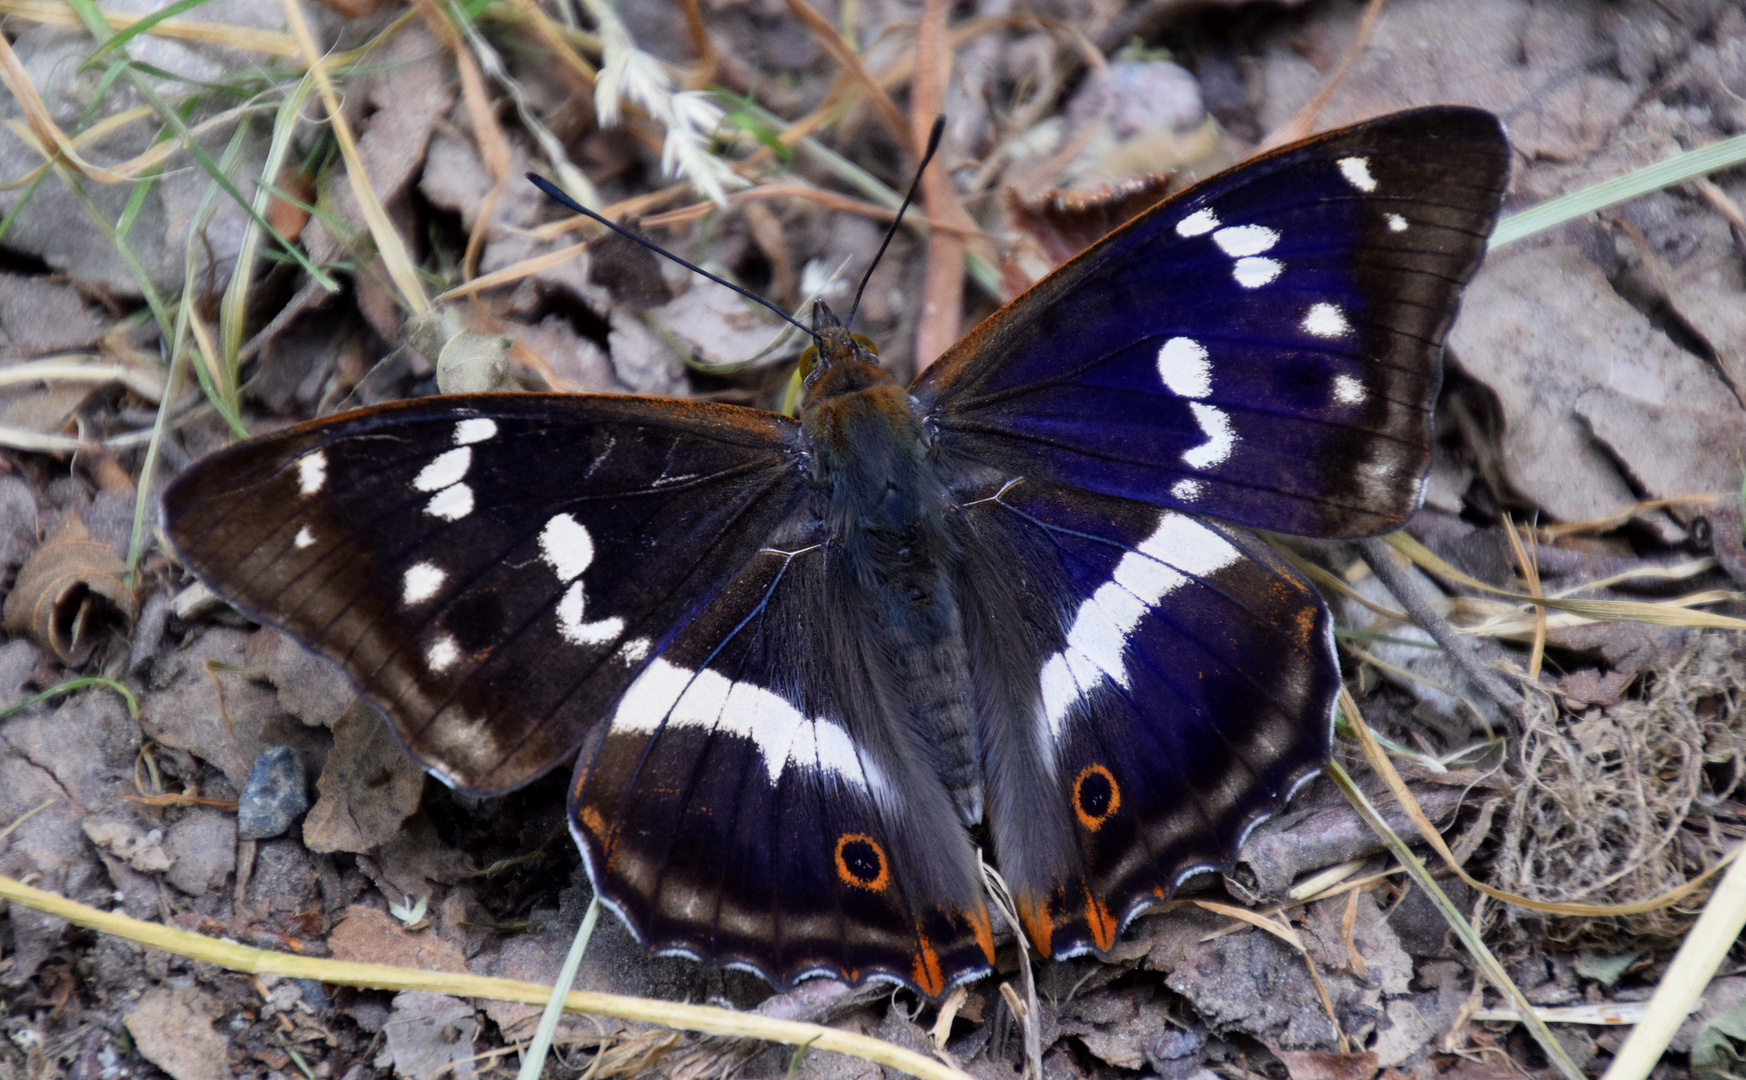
{"type": "Point", "coordinates": [275, 796]}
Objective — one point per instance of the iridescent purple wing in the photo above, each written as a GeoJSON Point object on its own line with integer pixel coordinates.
{"type": "Point", "coordinates": [1262, 348]}
{"type": "Point", "coordinates": [1165, 684]}
{"type": "Point", "coordinates": [747, 802]}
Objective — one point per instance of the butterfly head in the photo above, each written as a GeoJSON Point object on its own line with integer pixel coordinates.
{"type": "Point", "coordinates": [838, 361]}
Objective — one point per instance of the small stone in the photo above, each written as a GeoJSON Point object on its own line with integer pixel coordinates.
{"type": "Point", "coordinates": [275, 796]}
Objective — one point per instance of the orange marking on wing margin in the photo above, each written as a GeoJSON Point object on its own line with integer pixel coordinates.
{"type": "Point", "coordinates": [1034, 917]}
{"type": "Point", "coordinates": [592, 821]}
{"type": "Point", "coordinates": [926, 969]}
{"type": "Point", "coordinates": [984, 930]}
{"type": "Point", "coordinates": [1098, 919]}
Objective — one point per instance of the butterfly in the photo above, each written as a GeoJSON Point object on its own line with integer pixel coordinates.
{"type": "Point", "coordinates": [810, 669]}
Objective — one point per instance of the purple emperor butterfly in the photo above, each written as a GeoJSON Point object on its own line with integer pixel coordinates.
{"type": "Point", "coordinates": [808, 667]}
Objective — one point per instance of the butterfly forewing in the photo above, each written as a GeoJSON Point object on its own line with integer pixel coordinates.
{"type": "Point", "coordinates": [491, 571]}
{"type": "Point", "coordinates": [742, 806]}
{"type": "Point", "coordinates": [1177, 684]}
{"type": "Point", "coordinates": [1263, 348]}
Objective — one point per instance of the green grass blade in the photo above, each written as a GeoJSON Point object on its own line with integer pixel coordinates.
{"type": "Point", "coordinates": [1675, 170]}
{"type": "Point", "coordinates": [1488, 964]}
{"type": "Point", "coordinates": [70, 686]}
{"type": "Point", "coordinates": [99, 28]}
{"type": "Point", "coordinates": [141, 27]}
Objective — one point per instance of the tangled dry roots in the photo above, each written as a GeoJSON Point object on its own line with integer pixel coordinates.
{"type": "Point", "coordinates": [1623, 803]}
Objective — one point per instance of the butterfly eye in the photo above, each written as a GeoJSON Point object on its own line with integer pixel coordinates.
{"type": "Point", "coordinates": [865, 342]}
{"type": "Point", "coordinates": [808, 361]}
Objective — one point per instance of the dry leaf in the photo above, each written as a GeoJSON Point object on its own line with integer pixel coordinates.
{"type": "Point", "coordinates": [466, 362]}
{"type": "Point", "coordinates": [177, 1037]}
{"type": "Point", "coordinates": [1066, 222]}
{"type": "Point", "coordinates": [369, 936]}
{"type": "Point", "coordinates": [70, 592]}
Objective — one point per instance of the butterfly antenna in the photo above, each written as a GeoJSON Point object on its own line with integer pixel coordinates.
{"type": "Point", "coordinates": [552, 191]}
{"type": "Point", "coordinates": [927, 156]}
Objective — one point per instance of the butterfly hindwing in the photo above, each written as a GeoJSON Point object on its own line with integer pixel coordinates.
{"type": "Point", "coordinates": [1175, 682]}
{"type": "Point", "coordinates": [743, 805]}
{"type": "Point", "coordinates": [1263, 348]}
{"type": "Point", "coordinates": [492, 618]}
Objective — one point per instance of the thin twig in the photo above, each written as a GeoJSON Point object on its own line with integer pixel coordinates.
{"type": "Point", "coordinates": [1465, 652]}
{"type": "Point", "coordinates": [850, 62]}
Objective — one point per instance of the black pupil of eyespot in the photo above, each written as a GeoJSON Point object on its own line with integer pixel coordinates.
{"type": "Point", "coordinates": [861, 859]}
{"type": "Point", "coordinates": [1094, 794]}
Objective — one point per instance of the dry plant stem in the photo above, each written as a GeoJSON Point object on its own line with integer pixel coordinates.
{"type": "Point", "coordinates": [1303, 123]}
{"type": "Point", "coordinates": [1025, 1009]}
{"type": "Point", "coordinates": [687, 214]}
{"type": "Point", "coordinates": [1464, 652]}
{"type": "Point", "coordinates": [1669, 612]}
{"type": "Point", "coordinates": [1700, 954]}
{"type": "Point", "coordinates": [1378, 761]}
{"type": "Point", "coordinates": [493, 145]}
{"type": "Point", "coordinates": [57, 13]}
{"type": "Point", "coordinates": [708, 63]}
{"type": "Point", "coordinates": [388, 243]}
{"type": "Point", "coordinates": [1090, 129]}
{"type": "Point", "coordinates": [557, 40]}
{"type": "Point", "coordinates": [943, 286]}
{"type": "Point", "coordinates": [906, 134]}
{"type": "Point", "coordinates": [1531, 574]}
{"type": "Point", "coordinates": [36, 114]}
{"type": "Point", "coordinates": [1487, 963]}
{"type": "Point", "coordinates": [703, 1018]}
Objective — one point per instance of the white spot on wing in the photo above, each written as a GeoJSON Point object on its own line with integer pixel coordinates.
{"type": "Point", "coordinates": [421, 582]}
{"type": "Point", "coordinates": [1198, 223]}
{"type": "Point", "coordinates": [1396, 223]}
{"type": "Point", "coordinates": [1186, 490]}
{"type": "Point", "coordinates": [442, 654]}
{"type": "Point", "coordinates": [451, 503]}
{"type": "Point", "coordinates": [1356, 170]}
{"type": "Point", "coordinates": [1179, 549]}
{"type": "Point", "coordinates": [312, 472]}
{"type": "Point", "coordinates": [1349, 391]}
{"type": "Point", "coordinates": [1220, 439]}
{"type": "Point", "coordinates": [478, 429]}
{"type": "Point", "coordinates": [634, 651]}
{"type": "Point", "coordinates": [304, 537]}
{"type": "Point", "coordinates": [566, 546]}
{"type": "Point", "coordinates": [449, 467]}
{"type": "Point", "coordinates": [1252, 273]}
{"type": "Point", "coordinates": [1245, 239]}
{"type": "Point", "coordinates": [1326, 321]}
{"type": "Point", "coordinates": [1183, 366]}
{"type": "Point", "coordinates": [668, 696]}
{"type": "Point", "coordinates": [578, 632]}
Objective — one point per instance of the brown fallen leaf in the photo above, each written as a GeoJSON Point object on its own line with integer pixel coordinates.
{"type": "Point", "coordinates": [70, 593]}
{"type": "Point", "coordinates": [143, 851]}
{"type": "Point", "coordinates": [178, 1038]}
{"type": "Point", "coordinates": [430, 1036]}
{"type": "Point", "coordinates": [1325, 1065]}
{"type": "Point", "coordinates": [372, 937]}
{"type": "Point", "coordinates": [1067, 222]}
{"type": "Point", "coordinates": [368, 788]}
{"type": "Point", "coordinates": [288, 217]}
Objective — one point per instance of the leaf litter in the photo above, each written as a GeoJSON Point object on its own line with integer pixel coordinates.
{"type": "Point", "coordinates": [1596, 392]}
